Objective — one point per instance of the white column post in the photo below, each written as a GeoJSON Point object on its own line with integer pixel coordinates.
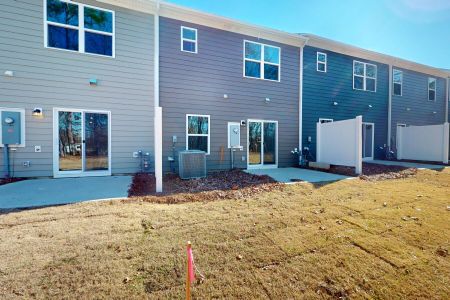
{"type": "Point", "coordinates": [447, 99]}
{"type": "Point", "coordinates": [446, 143]}
{"type": "Point", "coordinates": [399, 142]}
{"type": "Point", "coordinates": [358, 146]}
{"type": "Point", "coordinates": [157, 108]}
{"type": "Point", "coordinates": [318, 142]}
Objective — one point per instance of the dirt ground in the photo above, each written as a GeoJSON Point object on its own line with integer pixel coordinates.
{"type": "Point", "coordinates": [353, 239]}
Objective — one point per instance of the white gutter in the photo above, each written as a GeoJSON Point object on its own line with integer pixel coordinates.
{"type": "Point", "coordinates": [390, 109]}
{"type": "Point", "coordinates": [157, 108]}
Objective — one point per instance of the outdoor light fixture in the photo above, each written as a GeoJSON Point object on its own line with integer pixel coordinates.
{"type": "Point", "coordinates": [370, 106]}
{"type": "Point", "coordinates": [267, 100]}
{"type": "Point", "coordinates": [434, 112]}
{"type": "Point", "coordinates": [37, 112]}
{"type": "Point", "coordinates": [93, 82]}
{"type": "Point", "coordinates": [9, 74]}
{"type": "Point", "coordinates": [225, 96]}
{"type": "Point", "coordinates": [408, 109]}
{"type": "Point", "coordinates": [335, 103]}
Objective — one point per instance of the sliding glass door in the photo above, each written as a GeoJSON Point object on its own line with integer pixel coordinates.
{"type": "Point", "coordinates": [82, 143]}
{"type": "Point", "coordinates": [262, 144]}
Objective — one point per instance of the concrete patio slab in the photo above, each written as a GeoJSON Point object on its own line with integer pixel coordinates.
{"type": "Point", "coordinates": [407, 164]}
{"type": "Point", "coordinates": [287, 175]}
{"type": "Point", "coordinates": [47, 192]}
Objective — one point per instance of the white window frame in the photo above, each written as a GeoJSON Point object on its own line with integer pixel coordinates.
{"type": "Point", "coordinates": [435, 88]}
{"type": "Point", "coordinates": [22, 126]}
{"type": "Point", "coordinates": [325, 63]}
{"type": "Point", "coordinates": [189, 40]}
{"type": "Point", "coordinates": [394, 83]}
{"type": "Point", "coordinates": [233, 124]}
{"type": "Point", "coordinates": [365, 77]}
{"type": "Point", "coordinates": [325, 120]}
{"type": "Point", "coordinates": [81, 30]}
{"type": "Point", "coordinates": [261, 61]}
{"type": "Point", "coordinates": [198, 134]}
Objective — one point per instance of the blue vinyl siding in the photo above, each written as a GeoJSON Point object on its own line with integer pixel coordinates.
{"type": "Point", "coordinates": [415, 97]}
{"type": "Point", "coordinates": [320, 90]}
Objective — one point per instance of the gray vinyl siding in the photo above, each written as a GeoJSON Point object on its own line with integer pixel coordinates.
{"type": "Point", "coordinates": [320, 90]}
{"type": "Point", "coordinates": [415, 97]}
{"type": "Point", "coordinates": [196, 84]}
{"type": "Point", "coordinates": [50, 78]}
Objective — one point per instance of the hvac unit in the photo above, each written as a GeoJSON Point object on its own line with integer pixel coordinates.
{"type": "Point", "coordinates": [192, 164]}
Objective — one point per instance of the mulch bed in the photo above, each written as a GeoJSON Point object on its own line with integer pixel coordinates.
{"type": "Point", "coordinates": [374, 172]}
{"type": "Point", "coordinates": [217, 185]}
{"type": "Point", "coordinates": [10, 180]}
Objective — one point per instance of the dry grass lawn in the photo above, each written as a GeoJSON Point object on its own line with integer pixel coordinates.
{"type": "Point", "coordinates": [305, 242]}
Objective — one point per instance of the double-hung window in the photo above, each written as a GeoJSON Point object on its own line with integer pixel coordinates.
{"type": "Point", "coordinates": [432, 89]}
{"type": "Point", "coordinates": [364, 76]}
{"type": "Point", "coordinates": [321, 62]}
{"type": "Point", "coordinates": [198, 132]}
{"type": "Point", "coordinates": [189, 39]}
{"type": "Point", "coordinates": [78, 27]}
{"type": "Point", "coordinates": [397, 82]}
{"type": "Point", "coordinates": [261, 61]}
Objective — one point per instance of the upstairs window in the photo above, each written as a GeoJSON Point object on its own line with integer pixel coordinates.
{"type": "Point", "coordinates": [321, 62]}
{"type": "Point", "coordinates": [77, 27]}
{"type": "Point", "coordinates": [432, 89]}
{"type": "Point", "coordinates": [261, 61]}
{"type": "Point", "coordinates": [197, 132]}
{"type": "Point", "coordinates": [188, 39]}
{"type": "Point", "coordinates": [364, 76]}
{"type": "Point", "coordinates": [397, 81]}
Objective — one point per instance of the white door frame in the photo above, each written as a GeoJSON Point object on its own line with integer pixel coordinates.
{"type": "Point", "coordinates": [262, 166]}
{"type": "Point", "coordinates": [61, 174]}
{"type": "Point", "coordinates": [373, 141]}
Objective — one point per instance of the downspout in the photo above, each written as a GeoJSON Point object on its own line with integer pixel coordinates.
{"type": "Point", "coordinates": [390, 109]}
{"type": "Point", "coordinates": [300, 107]}
{"type": "Point", "coordinates": [300, 103]}
{"type": "Point", "coordinates": [157, 108]}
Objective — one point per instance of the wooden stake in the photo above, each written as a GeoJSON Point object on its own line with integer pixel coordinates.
{"type": "Point", "coordinates": [188, 279]}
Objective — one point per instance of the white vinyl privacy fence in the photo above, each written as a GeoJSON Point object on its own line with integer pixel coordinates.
{"type": "Point", "coordinates": [428, 143]}
{"type": "Point", "coordinates": [340, 143]}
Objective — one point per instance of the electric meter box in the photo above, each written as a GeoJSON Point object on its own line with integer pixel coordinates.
{"type": "Point", "coordinates": [11, 128]}
{"type": "Point", "coordinates": [234, 135]}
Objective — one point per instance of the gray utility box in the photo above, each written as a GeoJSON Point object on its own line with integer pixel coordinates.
{"type": "Point", "coordinates": [192, 164]}
{"type": "Point", "coordinates": [11, 128]}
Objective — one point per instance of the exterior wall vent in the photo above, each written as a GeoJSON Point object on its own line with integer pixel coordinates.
{"type": "Point", "coordinates": [192, 164]}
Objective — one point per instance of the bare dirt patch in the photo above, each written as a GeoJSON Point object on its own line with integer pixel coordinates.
{"type": "Point", "coordinates": [10, 180]}
{"type": "Point", "coordinates": [217, 185]}
{"type": "Point", "coordinates": [344, 240]}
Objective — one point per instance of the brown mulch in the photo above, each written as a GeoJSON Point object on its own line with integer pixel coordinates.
{"type": "Point", "coordinates": [374, 172]}
{"type": "Point", "coordinates": [10, 180]}
{"type": "Point", "coordinates": [217, 185]}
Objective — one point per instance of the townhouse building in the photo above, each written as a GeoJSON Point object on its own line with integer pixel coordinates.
{"type": "Point", "coordinates": [96, 83]}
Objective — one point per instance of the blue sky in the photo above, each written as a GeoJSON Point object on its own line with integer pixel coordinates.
{"type": "Point", "coordinates": [417, 30]}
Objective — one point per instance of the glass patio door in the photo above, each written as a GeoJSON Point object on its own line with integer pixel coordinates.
{"type": "Point", "coordinates": [82, 143]}
{"type": "Point", "coordinates": [262, 144]}
{"type": "Point", "coordinates": [367, 141]}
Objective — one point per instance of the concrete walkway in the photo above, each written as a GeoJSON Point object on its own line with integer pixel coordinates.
{"type": "Point", "coordinates": [46, 192]}
{"type": "Point", "coordinates": [287, 175]}
{"type": "Point", "coordinates": [407, 164]}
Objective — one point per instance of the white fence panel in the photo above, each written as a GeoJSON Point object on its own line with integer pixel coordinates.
{"type": "Point", "coordinates": [340, 143]}
{"type": "Point", "coordinates": [428, 143]}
